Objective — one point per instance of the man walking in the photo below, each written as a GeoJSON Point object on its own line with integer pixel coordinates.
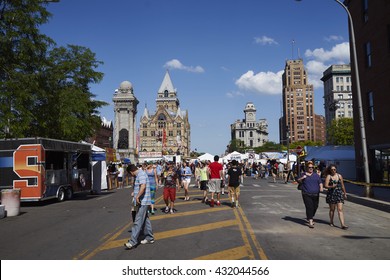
{"type": "Point", "coordinates": [142, 202]}
{"type": "Point", "coordinates": [216, 175]}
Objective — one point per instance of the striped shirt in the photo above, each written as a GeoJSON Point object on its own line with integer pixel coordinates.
{"type": "Point", "coordinates": [142, 178]}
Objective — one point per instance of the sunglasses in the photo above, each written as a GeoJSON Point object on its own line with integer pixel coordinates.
{"type": "Point", "coordinates": [310, 167]}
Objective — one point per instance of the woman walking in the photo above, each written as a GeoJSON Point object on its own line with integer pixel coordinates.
{"type": "Point", "coordinates": [336, 194]}
{"type": "Point", "coordinates": [153, 180]}
{"type": "Point", "coordinates": [186, 176]}
{"type": "Point", "coordinates": [311, 186]}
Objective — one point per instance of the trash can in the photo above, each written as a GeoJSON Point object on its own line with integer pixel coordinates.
{"type": "Point", "coordinates": [10, 198]}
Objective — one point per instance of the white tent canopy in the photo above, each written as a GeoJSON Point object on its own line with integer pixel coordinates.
{"type": "Point", "coordinates": [206, 156]}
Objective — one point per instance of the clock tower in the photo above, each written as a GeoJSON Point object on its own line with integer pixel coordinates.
{"type": "Point", "coordinates": [250, 112]}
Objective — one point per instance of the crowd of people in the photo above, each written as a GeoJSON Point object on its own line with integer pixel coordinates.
{"type": "Point", "coordinates": [213, 177]}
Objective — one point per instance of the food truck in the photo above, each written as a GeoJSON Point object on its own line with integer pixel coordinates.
{"type": "Point", "coordinates": [45, 168]}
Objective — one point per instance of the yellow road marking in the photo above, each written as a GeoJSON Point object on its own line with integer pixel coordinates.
{"type": "Point", "coordinates": [236, 253]}
{"type": "Point", "coordinates": [244, 237]}
{"type": "Point", "coordinates": [233, 253]}
{"type": "Point", "coordinates": [98, 249]}
{"type": "Point", "coordinates": [260, 250]}
{"type": "Point", "coordinates": [173, 233]}
{"type": "Point", "coordinates": [182, 214]}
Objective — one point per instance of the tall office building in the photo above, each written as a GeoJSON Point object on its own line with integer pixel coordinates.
{"type": "Point", "coordinates": [297, 122]}
{"type": "Point", "coordinates": [337, 92]}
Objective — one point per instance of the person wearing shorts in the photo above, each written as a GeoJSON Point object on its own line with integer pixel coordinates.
{"type": "Point", "coordinates": [171, 182]}
{"type": "Point", "coordinates": [215, 175]}
{"type": "Point", "coordinates": [234, 179]}
{"type": "Point", "coordinates": [186, 174]}
{"type": "Point", "coordinates": [203, 178]}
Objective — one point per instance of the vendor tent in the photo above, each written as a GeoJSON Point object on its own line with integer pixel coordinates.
{"type": "Point", "coordinates": [341, 156]}
{"type": "Point", "coordinates": [206, 156]}
{"type": "Point", "coordinates": [234, 155]}
{"type": "Point", "coordinates": [99, 169]}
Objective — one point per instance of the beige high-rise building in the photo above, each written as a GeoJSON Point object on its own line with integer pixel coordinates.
{"type": "Point", "coordinates": [167, 131]}
{"type": "Point", "coordinates": [297, 122]}
{"type": "Point", "coordinates": [337, 92]}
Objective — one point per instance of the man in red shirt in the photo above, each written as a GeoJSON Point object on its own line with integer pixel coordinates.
{"type": "Point", "coordinates": [216, 175]}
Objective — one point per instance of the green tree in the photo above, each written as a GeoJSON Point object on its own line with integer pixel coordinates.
{"type": "Point", "coordinates": [268, 147]}
{"type": "Point", "coordinates": [44, 89]}
{"type": "Point", "coordinates": [22, 54]}
{"type": "Point", "coordinates": [236, 145]}
{"type": "Point", "coordinates": [340, 132]}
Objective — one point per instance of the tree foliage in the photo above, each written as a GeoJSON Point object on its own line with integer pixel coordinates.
{"type": "Point", "coordinates": [44, 89]}
{"type": "Point", "coordinates": [341, 132]}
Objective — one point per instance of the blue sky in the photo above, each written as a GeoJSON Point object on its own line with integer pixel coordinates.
{"type": "Point", "coordinates": [221, 54]}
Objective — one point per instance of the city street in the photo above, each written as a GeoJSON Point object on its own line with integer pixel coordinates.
{"type": "Point", "coordinates": [269, 225]}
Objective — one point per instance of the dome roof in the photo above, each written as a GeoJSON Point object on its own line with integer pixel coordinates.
{"type": "Point", "coordinates": [126, 86]}
{"type": "Point", "coordinates": [250, 105]}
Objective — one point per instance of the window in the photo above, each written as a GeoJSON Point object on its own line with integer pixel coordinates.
{"type": "Point", "coordinates": [388, 37]}
{"type": "Point", "coordinates": [365, 10]}
{"type": "Point", "coordinates": [371, 115]}
{"type": "Point", "coordinates": [368, 52]}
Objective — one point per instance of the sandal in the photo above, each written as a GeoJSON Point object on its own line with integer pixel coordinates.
{"type": "Point", "coordinates": [331, 224]}
{"type": "Point", "coordinates": [344, 227]}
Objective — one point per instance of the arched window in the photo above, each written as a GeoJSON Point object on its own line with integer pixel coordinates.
{"type": "Point", "coordinates": [165, 93]}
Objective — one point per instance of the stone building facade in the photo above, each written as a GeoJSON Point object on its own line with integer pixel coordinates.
{"type": "Point", "coordinates": [167, 131]}
{"type": "Point", "coordinates": [125, 108]}
{"type": "Point", "coordinates": [251, 132]}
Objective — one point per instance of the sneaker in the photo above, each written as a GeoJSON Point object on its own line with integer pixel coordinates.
{"type": "Point", "coordinates": [128, 245]}
{"type": "Point", "coordinates": [233, 205]}
{"type": "Point", "coordinates": [166, 209]}
{"type": "Point", "coordinates": [171, 211]}
{"type": "Point", "coordinates": [145, 241]}
{"type": "Point", "coordinates": [218, 203]}
{"type": "Point", "coordinates": [152, 212]}
{"type": "Point", "coordinates": [237, 204]}
{"type": "Point", "coordinates": [212, 203]}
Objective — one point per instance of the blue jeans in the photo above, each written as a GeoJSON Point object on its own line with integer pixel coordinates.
{"type": "Point", "coordinates": [141, 224]}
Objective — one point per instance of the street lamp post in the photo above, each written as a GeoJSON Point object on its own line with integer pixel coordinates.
{"type": "Point", "coordinates": [359, 98]}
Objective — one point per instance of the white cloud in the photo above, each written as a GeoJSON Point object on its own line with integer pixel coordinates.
{"type": "Point", "coordinates": [234, 94]}
{"type": "Point", "coordinates": [176, 64]}
{"type": "Point", "coordinates": [340, 53]}
{"type": "Point", "coordinates": [264, 40]}
{"type": "Point", "coordinates": [263, 82]}
{"type": "Point", "coordinates": [331, 38]}
{"type": "Point", "coordinates": [320, 60]}
{"type": "Point", "coordinates": [315, 70]}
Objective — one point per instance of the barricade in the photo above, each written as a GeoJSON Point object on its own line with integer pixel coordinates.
{"type": "Point", "coordinates": [10, 198]}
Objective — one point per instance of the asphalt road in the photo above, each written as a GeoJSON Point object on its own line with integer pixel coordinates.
{"type": "Point", "coordinates": [269, 225]}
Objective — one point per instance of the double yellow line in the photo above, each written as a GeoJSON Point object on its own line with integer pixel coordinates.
{"type": "Point", "coordinates": [251, 248]}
